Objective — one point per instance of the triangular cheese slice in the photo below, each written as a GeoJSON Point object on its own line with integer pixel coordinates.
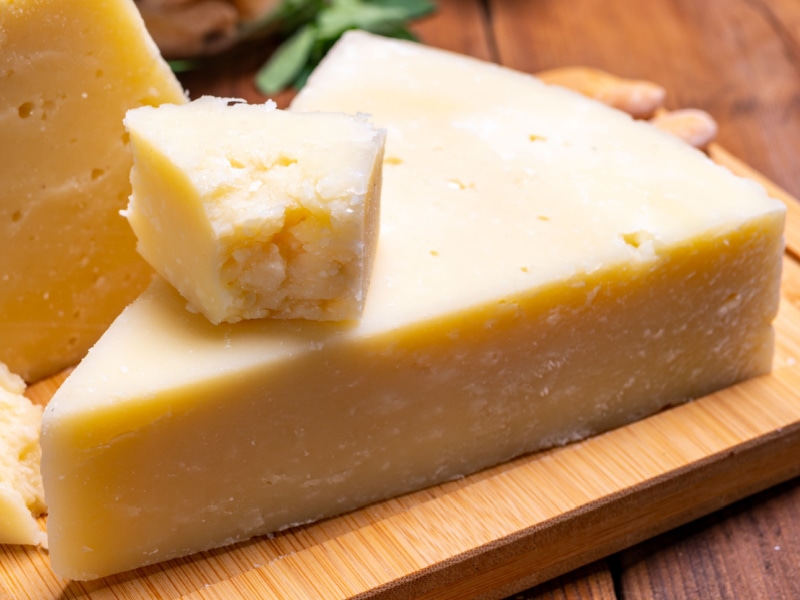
{"type": "Point", "coordinates": [68, 264]}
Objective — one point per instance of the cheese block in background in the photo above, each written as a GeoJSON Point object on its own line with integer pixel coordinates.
{"type": "Point", "coordinates": [68, 73]}
{"type": "Point", "coordinates": [547, 269]}
{"type": "Point", "coordinates": [21, 491]}
{"type": "Point", "coordinates": [255, 212]}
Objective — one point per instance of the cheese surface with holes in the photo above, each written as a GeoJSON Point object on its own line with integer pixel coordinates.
{"type": "Point", "coordinates": [255, 212]}
{"type": "Point", "coordinates": [68, 73]}
{"type": "Point", "coordinates": [547, 268]}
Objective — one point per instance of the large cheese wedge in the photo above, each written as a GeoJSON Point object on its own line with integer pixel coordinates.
{"type": "Point", "coordinates": [252, 212]}
{"type": "Point", "coordinates": [547, 268]}
{"type": "Point", "coordinates": [68, 264]}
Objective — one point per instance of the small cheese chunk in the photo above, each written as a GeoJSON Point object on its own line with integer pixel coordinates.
{"type": "Point", "coordinates": [252, 212]}
{"type": "Point", "coordinates": [68, 264]}
{"type": "Point", "coordinates": [21, 491]}
{"type": "Point", "coordinates": [548, 268]}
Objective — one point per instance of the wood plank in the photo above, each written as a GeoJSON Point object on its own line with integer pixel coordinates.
{"type": "Point", "coordinates": [592, 582]}
{"type": "Point", "coordinates": [705, 559]}
{"type": "Point", "coordinates": [459, 26]}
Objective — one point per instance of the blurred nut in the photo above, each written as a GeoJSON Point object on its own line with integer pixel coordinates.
{"type": "Point", "coordinates": [694, 126]}
{"type": "Point", "coordinates": [640, 99]}
{"type": "Point", "coordinates": [183, 28]}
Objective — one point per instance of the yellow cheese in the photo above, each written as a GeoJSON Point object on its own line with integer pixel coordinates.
{"type": "Point", "coordinates": [21, 491]}
{"type": "Point", "coordinates": [547, 269]}
{"type": "Point", "coordinates": [68, 264]}
{"type": "Point", "coordinates": [251, 212]}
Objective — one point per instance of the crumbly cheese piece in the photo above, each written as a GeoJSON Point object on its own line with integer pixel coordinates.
{"type": "Point", "coordinates": [68, 263]}
{"type": "Point", "coordinates": [21, 491]}
{"type": "Point", "coordinates": [547, 269]}
{"type": "Point", "coordinates": [254, 212]}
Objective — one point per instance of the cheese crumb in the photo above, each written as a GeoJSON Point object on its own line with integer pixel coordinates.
{"type": "Point", "coordinates": [21, 491]}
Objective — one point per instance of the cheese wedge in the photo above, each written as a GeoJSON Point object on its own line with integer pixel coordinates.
{"type": "Point", "coordinates": [68, 263]}
{"type": "Point", "coordinates": [254, 212]}
{"type": "Point", "coordinates": [21, 490]}
{"type": "Point", "coordinates": [547, 269]}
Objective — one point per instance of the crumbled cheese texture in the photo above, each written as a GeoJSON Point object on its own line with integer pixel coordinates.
{"type": "Point", "coordinates": [68, 263]}
{"type": "Point", "coordinates": [252, 212]}
{"type": "Point", "coordinates": [21, 491]}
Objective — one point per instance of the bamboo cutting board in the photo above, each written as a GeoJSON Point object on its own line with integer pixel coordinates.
{"type": "Point", "coordinates": [510, 527]}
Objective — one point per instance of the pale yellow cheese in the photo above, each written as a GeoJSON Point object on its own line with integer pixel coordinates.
{"type": "Point", "coordinates": [21, 491]}
{"type": "Point", "coordinates": [68, 264]}
{"type": "Point", "coordinates": [254, 212]}
{"type": "Point", "coordinates": [547, 269]}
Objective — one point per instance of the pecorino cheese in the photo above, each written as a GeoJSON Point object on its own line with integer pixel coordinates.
{"type": "Point", "coordinates": [255, 212]}
{"type": "Point", "coordinates": [68, 73]}
{"type": "Point", "coordinates": [547, 269]}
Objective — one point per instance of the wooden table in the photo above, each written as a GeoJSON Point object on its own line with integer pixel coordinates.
{"type": "Point", "coordinates": [739, 60]}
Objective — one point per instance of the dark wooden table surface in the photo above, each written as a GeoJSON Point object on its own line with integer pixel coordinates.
{"type": "Point", "coordinates": [740, 61]}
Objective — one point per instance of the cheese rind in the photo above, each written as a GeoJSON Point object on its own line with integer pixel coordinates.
{"type": "Point", "coordinates": [68, 264]}
{"type": "Point", "coordinates": [21, 489]}
{"type": "Point", "coordinates": [547, 269]}
{"type": "Point", "coordinates": [252, 212]}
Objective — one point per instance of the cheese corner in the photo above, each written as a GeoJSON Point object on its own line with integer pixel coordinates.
{"type": "Point", "coordinates": [68, 264]}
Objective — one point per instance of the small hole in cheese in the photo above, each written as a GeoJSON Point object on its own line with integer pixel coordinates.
{"type": "Point", "coordinates": [456, 184]}
{"type": "Point", "coordinates": [632, 239]}
{"type": "Point", "coordinates": [285, 161]}
{"type": "Point", "coordinates": [25, 110]}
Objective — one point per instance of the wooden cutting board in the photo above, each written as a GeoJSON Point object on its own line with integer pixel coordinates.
{"type": "Point", "coordinates": [507, 528]}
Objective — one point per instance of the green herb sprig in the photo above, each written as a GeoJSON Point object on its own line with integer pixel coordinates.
{"type": "Point", "coordinates": [311, 27]}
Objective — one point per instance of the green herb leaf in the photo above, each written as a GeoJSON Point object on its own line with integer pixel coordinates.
{"type": "Point", "coordinates": [287, 62]}
{"type": "Point", "coordinates": [312, 27]}
{"type": "Point", "coordinates": [343, 15]}
{"type": "Point", "coordinates": [185, 65]}
{"type": "Point", "coordinates": [414, 9]}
